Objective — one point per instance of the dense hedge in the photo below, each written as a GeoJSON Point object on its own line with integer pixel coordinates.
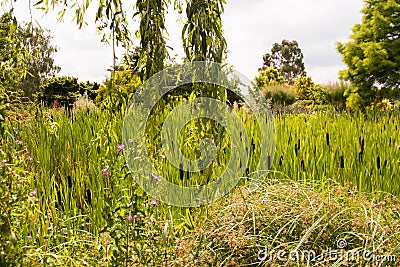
{"type": "Point", "coordinates": [64, 91]}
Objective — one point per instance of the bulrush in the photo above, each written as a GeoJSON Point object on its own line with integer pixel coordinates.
{"type": "Point", "coordinates": [342, 162]}
{"type": "Point", "coordinates": [378, 162]}
{"type": "Point", "coordinates": [269, 162]}
{"type": "Point", "coordinates": [361, 153]}
{"type": "Point", "coordinates": [181, 171]}
{"type": "Point", "coordinates": [327, 139]}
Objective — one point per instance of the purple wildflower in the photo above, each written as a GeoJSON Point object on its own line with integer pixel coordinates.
{"type": "Point", "coordinates": [105, 172]}
{"type": "Point", "coordinates": [29, 237]}
{"type": "Point", "coordinates": [28, 155]}
{"type": "Point", "coordinates": [18, 142]}
{"type": "Point", "coordinates": [156, 178]}
{"type": "Point", "coordinates": [136, 218]}
{"type": "Point", "coordinates": [130, 140]}
{"type": "Point", "coordinates": [153, 202]}
{"type": "Point", "coordinates": [162, 156]}
{"type": "Point", "coordinates": [34, 192]}
{"type": "Point", "coordinates": [37, 200]}
{"type": "Point", "coordinates": [129, 218]}
{"type": "Point", "coordinates": [121, 147]}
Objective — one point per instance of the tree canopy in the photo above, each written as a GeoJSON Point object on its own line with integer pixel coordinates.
{"type": "Point", "coordinates": [373, 53]}
{"type": "Point", "coordinates": [27, 55]}
{"type": "Point", "coordinates": [287, 58]}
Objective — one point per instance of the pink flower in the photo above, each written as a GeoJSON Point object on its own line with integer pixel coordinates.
{"type": "Point", "coordinates": [105, 172]}
{"type": "Point", "coordinates": [29, 237]}
{"type": "Point", "coordinates": [18, 142]}
{"type": "Point", "coordinates": [136, 218]}
{"type": "Point", "coordinates": [121, 147]}
{"type": "Point", "coordinates": [162, 156]}
{"type": "Point", "coordinates": [34, 192]}
{"type": "Point", "coordinates": [156, 178]}
{"type": "Point", "coordinates": [130, 140]}
{"type": "Point", "coordinates": [28, 155]}
{"type": "Point", "coordinates": [153, 202]}
{"type": "Point", "coordinates": [129, 218]}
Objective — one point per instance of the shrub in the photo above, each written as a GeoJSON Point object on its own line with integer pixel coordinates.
{"type": "Point", "coordinates": [84, 103]}
{"type": "Point", "coordinates": [354, 102]}
{"type": "Point", "coordinates": [268, 76]}
{"type": "Point", "coordinates": [396, 105]}
{"type": "Point", "coordinates": [64, 91]}
{"type": "Point", "coordinates": [304, 87]}
{"type": "Point", "coordinates": [336, 94]}
{"type": "Point", "coordinates": [279, 94]}
{"type": "Point", "coordinates": [319, 94]}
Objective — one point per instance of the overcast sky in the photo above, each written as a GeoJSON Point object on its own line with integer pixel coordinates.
{"type": "Point", "coordinates": [251, 27]}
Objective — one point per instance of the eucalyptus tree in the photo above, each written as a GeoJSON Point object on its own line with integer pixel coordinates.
{"type": "Point", "coordinates": [287, 58]}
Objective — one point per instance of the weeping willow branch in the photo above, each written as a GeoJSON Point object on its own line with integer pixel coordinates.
{"type": "Point", "coordinates": [153, 51]}
{"type": "Point", "coordinates": [202, 34]}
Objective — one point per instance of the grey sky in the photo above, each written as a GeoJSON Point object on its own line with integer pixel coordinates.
{"type": "Point", "coordinates": [251, 27]}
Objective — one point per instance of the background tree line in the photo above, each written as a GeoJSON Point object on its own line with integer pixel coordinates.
{"type": "Point", "coordinates": [372, 54]}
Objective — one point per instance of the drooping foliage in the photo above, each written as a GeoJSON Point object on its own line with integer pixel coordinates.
{"type": "Point", "coordinates": [202, 33]}
{"type": "Point", "coordinates": [153, 51]}
{"type": "Point", "coordinates": [203, 39]}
